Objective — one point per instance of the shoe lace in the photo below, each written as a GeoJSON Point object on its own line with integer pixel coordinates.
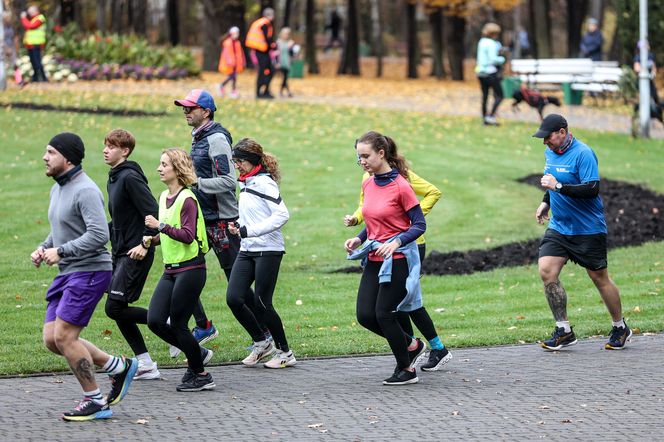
{"type": "Point", "coordinates": [616, 333]}
{"type": "Point", "coordinates": [85, 403]}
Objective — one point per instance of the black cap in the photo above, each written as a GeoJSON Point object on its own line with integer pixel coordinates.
{"type": "Point", "coordinates": [70, 146]}
{"type": "Point", "coordinates": [551, 123]}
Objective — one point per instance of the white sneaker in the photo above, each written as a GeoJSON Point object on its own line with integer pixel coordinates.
{"type": "Point", "coordinates": [173, 351]}
{"type": "Point", "coordinates": [281, 359]}
{"type": "Point", "coordinates": [147, 371]}
{"type": "Point", "coordinates": [259, 352]}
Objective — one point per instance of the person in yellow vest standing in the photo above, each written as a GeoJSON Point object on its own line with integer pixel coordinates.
{"type": "Point", "coordinates": [34, 24]}
{"type": "Point", "coordinates": [183, 246]}
{"type": "Point", "coordinates": [260, 41]}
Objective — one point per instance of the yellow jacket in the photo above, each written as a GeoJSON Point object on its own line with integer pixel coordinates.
{"type": "Point", "coordinates": [422, 188]}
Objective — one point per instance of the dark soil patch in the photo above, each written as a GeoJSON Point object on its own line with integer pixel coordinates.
{"type": "Point", "coordinates": [633, 217]}
{"type": "Point", "coordinates": [84, 110]}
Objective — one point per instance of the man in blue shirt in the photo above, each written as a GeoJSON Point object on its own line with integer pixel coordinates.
{"type": "Point", "coordinates": [577, 230]}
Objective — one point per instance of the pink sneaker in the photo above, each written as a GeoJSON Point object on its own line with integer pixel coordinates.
{"type": "Point", "coordinates": [235, 94]}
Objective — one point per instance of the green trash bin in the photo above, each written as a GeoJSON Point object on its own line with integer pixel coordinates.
{"type": "Point", "coordinates": [297, 69]}
{"type": "Point", "coordinates": [571, 96]}
{"type": "Point", "coordinates": [510, 85]}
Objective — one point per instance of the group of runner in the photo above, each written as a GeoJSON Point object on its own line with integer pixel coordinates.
{"type": "Point", "coordinates": [199, 211]}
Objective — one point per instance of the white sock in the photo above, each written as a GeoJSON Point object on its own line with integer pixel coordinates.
{"type": "Point", "coordinates": [95, 396]}
{"type": "Point", "coordinates": [114, 365]}
{"type": "Point", "coordinates": [565, 325]}
{"type": "Point", "coordinates": [619, 324]}
{"type": "Point", "coordinates": [145, 357]}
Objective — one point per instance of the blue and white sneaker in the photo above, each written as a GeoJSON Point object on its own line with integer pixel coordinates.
{"type": "Point", "coordinates": [88, 410]}
{"type": "Point", "coordinates": [204, 335]}
{"type": "Point", "coordinates": [120, 382]}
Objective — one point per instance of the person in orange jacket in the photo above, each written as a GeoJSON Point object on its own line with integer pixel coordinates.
{"type": "Point", "coordinates": [34, 24]}
{"type": "Point", "coordinates": [260, 41]}
{"type": "Point", "coordinates": [231, 60]}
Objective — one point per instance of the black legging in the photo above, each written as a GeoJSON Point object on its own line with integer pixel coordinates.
{"type": "Point", "coordinates": [420, 317]}
{"type": "Point", "coordinates": [264, 270]}
{"type": "Point", "coordinates": [376, 304]}
{"type": "Point", "coordinates": [284, 79]}
{"type": "Point", "coordinates": [491, 82]}
{"type": "Point", "coordinates": [265, 72]}
{"type": "Point", "coordinates": [127, 319]}
{"type": "Point", "coordinates": [176, 296]}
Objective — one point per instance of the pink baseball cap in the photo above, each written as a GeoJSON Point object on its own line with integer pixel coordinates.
{"type": "Point", "coordinates": [198, 97]}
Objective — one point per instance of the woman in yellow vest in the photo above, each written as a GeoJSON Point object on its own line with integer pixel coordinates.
{"type": "Point", "coordinates": [439, 355]}
{"type": "Point", "coordinates": [34, 24]}
{"type": "Point", "coordinates": [183, 247]}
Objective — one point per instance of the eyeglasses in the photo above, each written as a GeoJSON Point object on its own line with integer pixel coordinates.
{"type": "Point", "coordinates": [237, 161]}
{"type": "Point", "coordinates": [188, 109]}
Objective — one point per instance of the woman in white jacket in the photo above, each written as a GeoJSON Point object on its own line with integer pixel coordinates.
{"type": "Point", "coordinates": [262, 215]}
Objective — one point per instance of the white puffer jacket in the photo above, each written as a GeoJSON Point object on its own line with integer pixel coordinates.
{"type": "Point", "coordinates": [263, 213]}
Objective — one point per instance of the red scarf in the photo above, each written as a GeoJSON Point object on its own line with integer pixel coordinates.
{"type": "Point", "coordinates": [252, 172]}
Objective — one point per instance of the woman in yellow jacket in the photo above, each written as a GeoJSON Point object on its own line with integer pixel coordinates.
{"type": "Point", "coordinates": [439, 354]}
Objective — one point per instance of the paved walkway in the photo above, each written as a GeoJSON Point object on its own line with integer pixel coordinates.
{"type": "Point", "coordinates": [502, 393]}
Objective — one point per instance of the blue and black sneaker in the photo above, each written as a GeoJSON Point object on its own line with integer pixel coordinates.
{"type": "Point", "coordinates": [618, 338]}
{"type": "Point", "coordinates": [120, 382]}
{"type": "Point", "coordinates": [559, 339]}
{"type": "Point", "coordinates": [88, 410]}
{"type": "Point", "coordinates": [204, 335]}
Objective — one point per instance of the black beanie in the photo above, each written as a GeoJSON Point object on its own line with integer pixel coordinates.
{"type": "Point", "coordinates": [70, 146]}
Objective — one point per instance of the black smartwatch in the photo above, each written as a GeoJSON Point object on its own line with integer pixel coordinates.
{"type": "Point", "coordinates": [161, 227]}
{"type": "Point", "coordinates": [559, 186]}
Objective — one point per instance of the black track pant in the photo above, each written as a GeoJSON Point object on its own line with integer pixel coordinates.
{"type": "Point", "coordinates": [265, 72]}
{"type": "Point", "coordinates": [127, 317]}
{"type": "Point", "coordinates": [251, 267]}
{"type": "Point", "coordinates": [420, 317]}
{"type": "Point", "coordinates": [175, 296]}
{"type": "Point", "coordinates": [377, 304]}
{"type": "Point", "coordinates": [491, 82]}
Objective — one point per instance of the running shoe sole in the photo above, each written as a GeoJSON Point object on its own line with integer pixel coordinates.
{"type": "Point", "coordinates": [557, 347]}
{"type": "Point", "coordinates": [415, 380]}
{"type": "Point", "coordinates": [127, 382]}
{"type": "Point", "coordinates": [443, 361]}
{"type": "Point", "coordinates": [282, 365]}
{"type": "Point", "coordinates": [210, 337]}
{"type": "Point", "coordinates": [104, 414]}
{"type": "Point", "coordinates": [417, 357]}
{"type": "Point", "coordinates": [201, 388]}
{"type": "Point", "coordinates": [147, 375]}
{"type": "Point", "coordinates": [207, 357]}
{"type": "Point", "coordinates": [608, 345]}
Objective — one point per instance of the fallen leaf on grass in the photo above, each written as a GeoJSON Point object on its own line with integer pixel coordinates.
{"type": "Point", "coordinates": [107, 332]}
{"type": "Point", "coordinates": [637, 309]}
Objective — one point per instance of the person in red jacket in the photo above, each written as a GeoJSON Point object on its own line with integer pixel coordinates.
{"type": "Point", "coordinates": [34, 24]}
{"type": "Point", "coordinates": [231, 60]}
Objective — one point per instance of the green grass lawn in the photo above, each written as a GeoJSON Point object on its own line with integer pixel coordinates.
{"type": "Point", "coordinates": [482, 206]}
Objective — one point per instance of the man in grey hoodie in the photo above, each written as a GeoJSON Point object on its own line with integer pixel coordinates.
{"type": "Point", "coordinates": [77, 244]}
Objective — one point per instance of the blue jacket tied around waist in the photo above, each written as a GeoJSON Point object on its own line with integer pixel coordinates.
{"type": "Point", "coordinates": [413, 299]}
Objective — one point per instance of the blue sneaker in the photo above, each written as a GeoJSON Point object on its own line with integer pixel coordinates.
{"type": "Point", "coordinates": [618, 338]}
{"type": "Point", "coordinates": [87, 410]}
{"type": "Point", "coordinates": [120, 382]}
{"type": "Point", "coordinates": [204, 335]}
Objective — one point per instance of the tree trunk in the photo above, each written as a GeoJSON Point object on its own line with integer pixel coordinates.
{"type": "Point", "coordinates": [117, 16]}
{"type": "Point", "coordinates": [218, 17]}
{"type": "Point", "coordinates": [350, 57]}
{"type": "Point", "coordinates": [377, 31]}
{"type": "Point", "coordinates": [411, 38]}
{"type": "Point", "coordinates": [455, 30]}
{"type": "Point", "coordinates": [288, 7]}
{"type": "Point", "coordinates": [67, 14]}
{"type": "Point", "coordinates": [310, 38]}
{"type": "Point", "coordinates": [542, 27]}
{"type": "Point", "coordinates": [576, 13]}
{"type": "Point", "coordinates": [101, 15]}
{"type": "Point", "coordinates": [597, 11]}
{"type": "Point", "coordinates": [173, 22]}
{"type": "Point", "coordinates": [436, 25]}
{"type": "Point", "coordinates": [139, 14]}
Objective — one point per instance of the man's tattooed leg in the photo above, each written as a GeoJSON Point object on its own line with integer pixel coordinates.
{"type": "Point", "coordinates": [557, 297]}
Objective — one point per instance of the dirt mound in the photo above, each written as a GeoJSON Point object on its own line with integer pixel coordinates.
{"type": "Point", "coordinates": [633, 217]}
{"type": "Point", "coordinates": [84, 110]}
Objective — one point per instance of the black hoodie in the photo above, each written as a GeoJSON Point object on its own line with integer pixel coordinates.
{"type": "Point", "coordinates": [129, 202]}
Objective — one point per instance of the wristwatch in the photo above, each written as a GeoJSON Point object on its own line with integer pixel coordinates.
{"type": "Point", "coordinates": [559, 186]}
{"type": "Point", "coordinates": [60, 251]}
{"type": "Point", "coordinates": [161, 227]}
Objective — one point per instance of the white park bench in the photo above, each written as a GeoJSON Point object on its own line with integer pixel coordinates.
{"type": "Point", "coordinates": [570, 74]}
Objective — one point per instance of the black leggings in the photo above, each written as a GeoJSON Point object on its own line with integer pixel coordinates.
{"type": "Point", "coordinates": [284, 79]}
{"type": "Point", "coordinates": [176, 296]}
{"type": "Point", "coordinates": [491, 82]}
{"type": "Point", "coordinates": [265, 72]}
{"type": "Point", "coordinates": [377, 303]}
{"type": "Point", "coordinates": [420, 317]}
{"type": "Point", "coordinates": [263, 270]}
{"type": "Point", "coordinates": [127, 319]}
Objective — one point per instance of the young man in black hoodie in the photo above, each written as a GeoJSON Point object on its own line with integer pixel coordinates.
{"type": "Point", "coordinates": [129, 202]}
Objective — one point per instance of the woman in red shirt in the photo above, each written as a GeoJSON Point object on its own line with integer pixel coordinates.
{"type": "Point", "coordinates": [393, 219]}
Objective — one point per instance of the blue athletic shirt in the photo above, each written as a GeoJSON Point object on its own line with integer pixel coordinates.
{"type": "Point", "coordinates": [575, 216]}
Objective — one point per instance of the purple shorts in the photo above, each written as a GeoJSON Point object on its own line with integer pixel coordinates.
{"type": "Point", "coordinates": [73, 297]}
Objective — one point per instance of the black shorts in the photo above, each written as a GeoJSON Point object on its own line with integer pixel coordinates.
{"type": "Point", "coordinates": [588, 251]}
{"type": "Point", "coordinates": [129, 277]}
{"type": "Point", "coordinates": [225, 245]}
